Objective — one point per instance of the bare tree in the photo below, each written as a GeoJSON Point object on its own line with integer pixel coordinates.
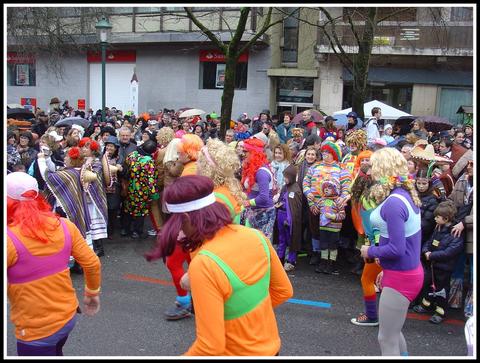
{"type": "Point", "coordinates": [232, 51]}
{"type": "Point", "coordinates": [53, 31]}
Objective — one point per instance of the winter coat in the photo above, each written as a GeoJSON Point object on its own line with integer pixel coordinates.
{"type": "Point", "coordinates": [464, 204]}
{"type": "Point", "coordinates": [429, 203]}
{"type": "Point", "coordinates": [444, 248]}
{"type": "Point", "coordinates": [285, 132]}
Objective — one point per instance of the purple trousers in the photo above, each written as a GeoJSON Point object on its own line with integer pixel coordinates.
{"type": "Point", "coordinates": [284, 238]}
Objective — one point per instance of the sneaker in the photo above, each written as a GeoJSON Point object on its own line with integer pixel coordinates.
{"type": "Point", "coordinates": [152, 232]}
{"type": "Point", "coordinates": [288, 266]}
{"type": "Point", "coordinates": [178, 312]}
{"type": "Point", "coordinates": [135, 235]}
{"type": "Point", "coordinates": [315, 259]}
{"type": "Point", "coordinates": [321, 266]}
{"type": "Point", "coordinates": [420, 309]}
{"type": "Point", "coordinates": [329, 268]}
{"type": "Point", "coordinates": [436, 319]}
{"type": "Point", "coordinates": [364, 320]}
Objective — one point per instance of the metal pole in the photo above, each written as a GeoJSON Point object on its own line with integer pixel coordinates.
{"type": "Point", "coordinates": [104, 57]}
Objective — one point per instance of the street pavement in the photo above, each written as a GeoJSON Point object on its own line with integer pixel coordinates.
{"type": "Point", "coordinates": [135, 293]}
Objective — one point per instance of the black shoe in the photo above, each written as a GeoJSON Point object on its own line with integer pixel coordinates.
{"type": "Point", "coordinates": [135, 235]}
{"type": "Point", "coordinates": [315, 259]}
{"type": "Point", "coordinates": [322, 265]}
{"type": "Point", "coordinates": [334, 267]}
{"type": "Point", "coordinates": [436, 319]}
{"type": "Point", "coordinates": [98, 248]}
{"type": "Point", "coordinates": [123, 232]}
{"type": "Point", "coordinates": [328, 268]}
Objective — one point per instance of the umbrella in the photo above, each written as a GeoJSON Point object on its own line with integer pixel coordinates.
{"type": "Point", "coordinates": [191, 112]}
{"type": "Point", "coordinates": [342, 121]}
{"type": "Point", "coordinates": [69, 121]}
{"type": "Point", "coordinates": [317, 116]}
{"type": "Point", "coordinates": [14, 105]}
{"type": "Point", "coordinates": [432, 123]}
{"type": "Point", "coordinates": [20, 113]}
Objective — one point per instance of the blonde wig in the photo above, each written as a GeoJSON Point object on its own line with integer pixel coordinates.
{"type": "Point", "coordinates": [357, 138]}
{"type": "Point", "coordinates": [165, 135]}
{"type": "Point", "coordinates": [389, 171]}
{"type": "Point", "coordinates": [219, 162]}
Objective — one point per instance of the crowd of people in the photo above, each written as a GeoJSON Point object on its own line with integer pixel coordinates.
{"type": "Point", "coordinates": [397, 209]}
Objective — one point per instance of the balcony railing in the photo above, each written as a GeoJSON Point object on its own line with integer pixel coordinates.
{"type": "Point", "coordinates": [417, 37]}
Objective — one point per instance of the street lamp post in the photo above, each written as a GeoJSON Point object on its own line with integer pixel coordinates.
{"type": "Point", "coordinates": [103, 30]}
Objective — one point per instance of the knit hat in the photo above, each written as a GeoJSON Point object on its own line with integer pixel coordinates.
{"type": "Point", "coordinates": [333, 149]}
{"type": "Point", "coordinates": [19, 183]}
{"type": "Point", "coordinates": [332, 183]}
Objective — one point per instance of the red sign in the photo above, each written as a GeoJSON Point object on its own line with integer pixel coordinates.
{"type": "Point", "coordinates": [217, 56]}
{"type": "Point", "coordinates": [81, 104]}
{"type": "Point", "coordinates": [20, 58]}
{"type": "Point", "coordinates": [30, 103]}
{"type": "Point", "coordinates": [113, 56]}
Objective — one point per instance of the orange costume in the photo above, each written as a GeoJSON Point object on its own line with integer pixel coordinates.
{"type": "Point", "coordinates": [41, 307]}
{"type": "Point", "coordinates": [230, 318]}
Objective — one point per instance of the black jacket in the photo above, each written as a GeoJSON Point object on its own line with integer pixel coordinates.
{"type": "Point", "coordinates": [429, 203]}
{"type": "Point", "coordinates": [444, 248]}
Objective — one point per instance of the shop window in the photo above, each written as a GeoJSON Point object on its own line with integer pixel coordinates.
{"type": "Point", "coordinates": [21, 70]}
{"type": "Point", "coordinates": [212, 75]}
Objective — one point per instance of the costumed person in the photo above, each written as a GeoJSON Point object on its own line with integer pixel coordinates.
{"type": "Point", "coordinates": [219, 162]}
{"type": "Point", "coordinates": [281, 159]}
{"type": "Point", "coordinates": [332, 213]}
{"type": "Point", "coordinates": [69, 191]}
{"type": "Point", "coordinates": [356, 144]}
{"type": "Point", "coordinates": [111, 167]}
{"type": "Point", "coordinates": [142, 187]}
{"type": "Point", "coordinates": [441, 253]}
{"type": "Point", "coordinates": [398, 220]}
{"type": "Point", "coordinates": [98, 218]}
{"type": "Point", "coordinates": [359, 207]}
{"type": "Point", "coordinates": [163, 138]}
{"type": "Point", "coordinates": [188, 149]}
{"type": "Point", "coordinates": [369, 236]}
{"type": "Point", "coordinates": [328, 168]}
{"type": "Point", "coordinates": [297, 142]}
{"type": "Point", "coordinates": [288, 224]}
{"type": "Point", "coordinates": [43, 301]}
{"type": "Point", "coordinates": [234, 298]}
{"type": "Point", "coordinates": [259, 183]}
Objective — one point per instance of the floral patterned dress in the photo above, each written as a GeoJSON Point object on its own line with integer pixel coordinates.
{"type": "Point", "coordinates": [142, 186]}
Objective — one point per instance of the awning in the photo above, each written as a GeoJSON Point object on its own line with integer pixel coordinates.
{"type": "Point", "coordinates": [465, 109]}
{"type": "Point", "coordinates": [418, 76]}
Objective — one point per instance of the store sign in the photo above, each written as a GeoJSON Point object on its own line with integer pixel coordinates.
{"type": "Point", "coordinates": [81, 104]}
{"type": "Point", "coordinates": [29, 103]}
{"type": "Point", "coordinates": [217, 56]}
{"type": "Point", "coordinates": [18, 58]}
{"type": "Point", "coordinates": [113, 56]}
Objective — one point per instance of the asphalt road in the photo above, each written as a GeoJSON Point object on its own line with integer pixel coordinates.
{"type": "Point", "coordinates": [135, 294]}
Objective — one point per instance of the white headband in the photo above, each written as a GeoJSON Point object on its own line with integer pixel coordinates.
{"type": "Point", "coordinates": [192, 205]}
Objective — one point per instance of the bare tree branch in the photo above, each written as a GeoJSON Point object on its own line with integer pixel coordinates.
{"type": "Point", "coordinates": [206, 31]}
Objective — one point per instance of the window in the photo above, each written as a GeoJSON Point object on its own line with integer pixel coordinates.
{"type": "Point", "coordinates": [295, 89]}
{"type": "Point", "coordinates": [21, 70]}
{"type": "Point", "coordinates": [461, 14]}
{"type": "Point", "coordinates": [290, 38]}
{"type": "Point", "coordinates": [212, 75]}
{"type": "Point", "coordinates": [149, 10]}
{"type": "Point", "coordinates": [398, 96]}
{"type": "Point", "coordinates": [359, 14]}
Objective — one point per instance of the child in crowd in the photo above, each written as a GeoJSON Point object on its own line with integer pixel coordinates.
{"type": "Point", "coordinates": [331, 217]}
{"type": "Point", "coordinates": [289, 218]}
{"type": "Point", "coordinates": [441, 252]}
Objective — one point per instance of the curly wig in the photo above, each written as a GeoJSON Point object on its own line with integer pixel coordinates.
{"type": "Point", "coordinates": [220, 162]}
{"type": "Point", "coordinates": [389, 171]}
{"type": "Point", "coordinates": [357, 138]}
{"type": "Point", "coordinates": [165, 135]}
{"type": "Point", "coordinates": [190, 145]}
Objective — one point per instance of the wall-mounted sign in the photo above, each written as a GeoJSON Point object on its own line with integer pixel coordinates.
{"type": "Point", "coordinates": [81, 104]}
{"type": "Point", "coordinates": [217, 56]}
{"type": "Point", "coordinates": [113, 56]}
{"type": "Point", "coordinates": [29, 103]}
